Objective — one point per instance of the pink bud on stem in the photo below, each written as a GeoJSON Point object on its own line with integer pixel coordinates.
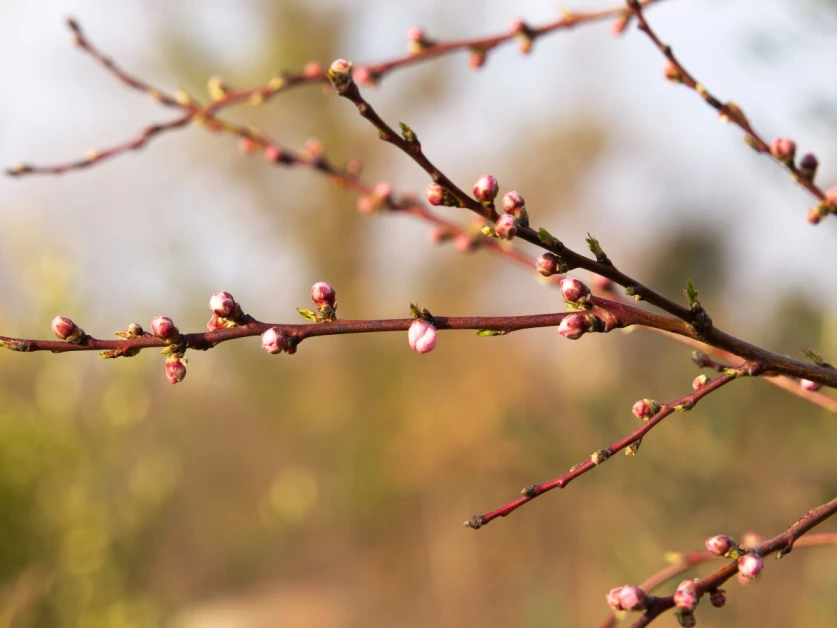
{"type": "Point", "coordinates": [506, 227]}
{"type": "Point", "coordinates": [632, 598]}
{"type": "Point", "coordinates": [323, 294]}
{"type": "Point", "coordinates": [574, 291]}
{"type": "Point", "coordinates": [175, 369]}
{"type": "Point", "coordinates": [163, 328]}
{"type": "Point", "coordinates": [750, 565]}
{"type": "Point", "coordinates": [783, 149]}
{"type": "Point", "coordinates": [573, 326]}
{"type": "Point", "coordinates": [719, 545]}
{"type": "Point", "coordinates": [223, 305]}
{"type": "Point", "coordinates": [547, 264]}
{"type": "Point", "coordinates": [274, 341]}
{"type": "Point", "coordinates": [645, 408]}
{"type": "Point", "coordinates": [686, 597]}
{"type": "Point", "coordinates": [421, 336]}
{"type": "Point", "coordinates": [66, 329]}
{"type": "Point", "coordinates": [486, 189]}
{"type": "Point", "coordinates": [810, 386]}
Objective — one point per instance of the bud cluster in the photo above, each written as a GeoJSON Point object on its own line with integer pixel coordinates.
{"type": "Point", "coordinates": [226, 312]}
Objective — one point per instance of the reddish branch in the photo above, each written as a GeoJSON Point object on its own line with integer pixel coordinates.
{"type": "Point", "coordinates": [728, 111]}
{"type": "Point", "coordinates": [689, 560]}
{"type": "Point", "coordinates": [632, 440]}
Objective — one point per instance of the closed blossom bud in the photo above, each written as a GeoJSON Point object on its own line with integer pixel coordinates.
{"type": "Point", "coordinates": [514, 204]}
{"type": "Point", "coordinates": [547, 264]}
{"type": "Point", "coordinates": [506, 227]}
{"type": "Point", "coordinates": [831, 198]}
{"type": "Point", "coordinates": [645, 408]}
{"type": "Point", "coordinates": [750, 565]}
{"type": "Point", "coordinates": [613, 599]}
{"type": "Point", "coordinates": [699, 382]}
{"type": "Point", "coordinates": [323, 294]}
{"type": "Point", "coordinates": [574, 291]}
{"type": "Point", "coordinates": [421, 336]}
{"type": "Point", "coordinates": [808, 165]}
{"type": "Point", "coordinates": [817, 213]}
{"type": "Point", "coordinates": [486, 188]}
{"type": "Point", "coordinates": [364, 76]}
{"type": "Point", "coordinates": [313, 148]}
{"type": "Point", "coordinates": [436, 194]}
{"type": "Point", "coordinates": [807, 384]}
{"type": "Point", "coordinates": [620, 24]}
{"type": "Point", "coordinates": [415, 34]}
{"type": "Point", "coordinates": [65, 329]}
{"type": "Point", "coordinates": [340, 74]}
{"type": "Point", "coordinates": [163, 328]}
{"type": "Point", "coordinates": [312, 69]}
{"type": "Point", "coordinates": [632, 598]}
{"type": "Point", "coordinates": [175, 369]}
{"type": "Point", "coordinates": [671, 72]}
{"type": "Point", "coordinates": [247, 145]}
{"type": "Point", "coordinates": [273, 154]}
{"type": "Point", "coordinates": [222, 304]}
{"type": "Point", "coordinates": [217, 323]}
{"type": "Point", "coordinates": [367, 204]}
{"type": "Point", "coordinates": [476, 59]}
{"type": "Point", "coordinates": [783, 149]}
{"type": "Point", "coordinates": [274, 341]}
{"type": "Point", "coordinates": [382, 190]}
{"type": "Point", "coordinates": [524, 34]}
{"type": "Point", "coordinates": [719, 545]}
{"type": "Point", "coordinates": [573, 326]}
{"type": "Point", "coordinates": [463, 242]}
{"type": "Point", "coordinates": [717, 598]}
{"type": "Point", "coordinates": [686, 597]}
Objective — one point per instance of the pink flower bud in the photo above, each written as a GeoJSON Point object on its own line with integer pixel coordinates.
{"type": "Point", "coordinates": [367, 204]}
{"type": "Point", "coordinates": [816, 214]}
{"type": "Point", "coordinates": [671, 72]}
{"type": "Point", "coordinates": [750, 565]}
{"type": "Point", "coordinates": [323, 294]}
{"type": "Point", "coordinates": [632, 598]}
{"type": "Point", "coordinates": [506, 227]}
{"type": "Point", "coordinates": [831, 196]}
{"type": "Point", "coordinates": [517, 26]}
{"type": "Point", "coordinates": [717, 598]}
{"type": "Point", "coordinates": [416, 34]}
{"type": "Point", "coordinates": [313, 148]}
{"type": "Point", "coordinates": [364, 76]}
{"type": "Point", "coordinates": [163, 328]}
{"type": "Point", "coordinates": [436, 194]}
{"type": "Point", "coordinates": [340, 74]}
{"type": "Point", "coordinates": [686, 597]}
{"type": "Point", "coordinates": [382, 190]}
{"type": "Point", "coordinates": [274, 341]}
{"type": "Point", "coordinates": [613, 599]}
{"type": "Point", "coordinates": [65, 329]}
{"type": "Point", "coordinates": [645, 408]}
{"type": "Point", "coordinates": [808, 165]}
{"type": "Point", "coordinates": [620, 24]}
{"type": "Point", "coordinates": [699, 382]}
{"type": "Point", "coordinates": [421, 336]}
{"type": "Point", "coordinates": [246, 145]}
{"type": "Point", "coordinates": [547, 264]}
{"type": "Point", "coordinates": [216, 323]}
{"type": "Point", "coordinates": [574, 291]}
{"type": "Point", "coordinates": [513, 203]}
{"type": "Point", "coordinates": [719, 545]}
{"type": "Point", "coordinates": [222, 304]}
{"type": "Point", "coordinates": [573, 326]}
{"type": "Point", "coordinates": [463, 243]}
{"type": "Point", "coordinates": [807, 384]}
{"type": "Point", "coordinates": [783, 149]}
{"type": "Point", "coordinates": [175, 370]}
{"type": "Point", "coordinates": [312, 69]}
{"type": "Point", "coordinates": [273, 154]}
{"type": "Point", "coordinates": [486, 189]}
{"type": "Point", "coordinates": [476, 59]}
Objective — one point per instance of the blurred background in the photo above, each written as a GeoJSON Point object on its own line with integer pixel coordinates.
{"type": "Point", "coordinates": [327, 489]}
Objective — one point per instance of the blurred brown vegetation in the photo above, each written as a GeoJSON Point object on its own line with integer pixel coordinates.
{"type": "Point", "coordinates": [327, 489]}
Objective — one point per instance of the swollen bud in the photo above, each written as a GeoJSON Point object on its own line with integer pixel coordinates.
{"type": "Point", "coordinates": [750, 565]}
{"type": "Point", "coordinates": [717, 598]}
{"type": "Point", "coordinates": [164, 329]}
{"type": "Point", "coordinates": [613, 599]}
{"type": "Point", "coordinates": [514, 204]}
{"type": "Point", "coordinates": [547, 264]}
{"type": "Point", "coordinates": [783, 149]}
{"type": "Point", "coordinates": [574, 291]}
{"type": "Point", "coordinates": [808, 165]}
{"type": "Point", "coordinates": [323, 294]}
{"type": "Point", "coordinates": [436, 194]}
{"type": "Point", "coordinates": [699, 382]}
{"type": "Point", "coordinates": [65, 329]}
{"type": "Point", "coordinates": [340, 75]}
{"type": "Point", "coordinates": [274, 341]}
{"type": "Point", "coordinates": [506, 227]}
{"type": "Point", "coordinates": [719, 545]}
{"type": "Point", "coordinates": [175, 369]}
{"type": "Point", "coordinates": [645, 408]}
{"type": "Point", "coordinates": [421, 336]}
{"type": "Point", "coordinates": [223, 305]}
{"type": "Point", "coordinates": [810, 386]}
{"type": "Point", "coordinates": [671, 72]}
{"type": "Point", "coordinates": [632, 598]}
{"type": "Point", "coordinates": [573, 326]}
{"type": "Point", "coordinates": [686, 597]}
{"type": "Point", "coordinates": [486, 189]}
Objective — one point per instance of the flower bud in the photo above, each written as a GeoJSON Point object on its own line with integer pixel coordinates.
{"type": "Point", "coordinates": [620, 24]}
{"type": "Point", "coordinates": [65, 329]}
{"type": "Point", "coordinates": [247, 145]}
{"type": "Point", "coordinates": [506, 227]}
{"type": "Point", "coordinates": [274, 341]}
{"type": "Point", "coordinates": [382, 190]}
{"type": "Point", "coordinates": [613, 599]}
{"type": "Point", "coordinates": [719, 545]}
{"type": "Point", "coordinates": [750, 565]}
{"type": "Point", "coordinates": [312, 69]}
{"type": "Point", "coordinates": [632, 598]}
{"type": "Point", "coordinates": [364, 76]}
{"type": "Point", "coordinates": [524, 34]}
{"type": "Point", "coordinates": [686, 597]}
{"type": "Point", "coordinates": [573, 326]}
{"type": "Point", "coordinates": [340, 75]}
{"type": "Point", "coordinates": [717, 598]}
{"type": "Point", "coordinates": [417, 40]}
{"type": "Point", "coordinates": [273, 154]}
{"type": "Point", "coordinates": [367, 204]}
{"type": "Point", "coordinates": [464, 243]}
{"type": "Point", "coordinates": [223, 304]}
{"type": "Point", "coordinates": [486, 189]}
{"type": "Point", "coordinates": [817, 213]}
{"type": "Point", "coordinates": [175, 369]}
{"type": "Point", "coordinates": [808, 165]}
{"type": "Point", "coordinates": [671, 72]}
{"type": "Point", "coordinates": [574, 291]}
{"type": "Point", "coordinates": [699, 382]}
{"type": "Point", "coordinates": [217, 323]}
{"type": "Point", "coordinates": [476, 59]}
{"type": "Point", "coordinates": [783, 149]}
{"type": "Point", "coordinates": [514, 204]}
{"type": "Point", "coordinates": [163, 328]}
{"type": "Point", "coordinates": [807, 384]}
{"type": "Point", "coordinates": [323, 294]}
{"type": "Point", "coordinates": [436, 194]}
{"type": "Point", "coordinates": [421, 336]}
{"type": "Point", "coordinates": [547, 264]}
{"type": "Point", "coordinates": [831, 198]}
{"type": "Point", "coordinates": [645, 408]}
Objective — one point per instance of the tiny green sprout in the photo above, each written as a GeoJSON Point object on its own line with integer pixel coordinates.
{"type": "Point", "coordinates": [307, 314]}
{"type": "Point", "coordinates": [596, 249]}
{"type": "Point", "coordinates": [548, 240]}
{"type": "Point", "coordinates": [691, 293]}
{"type": "Point", "coordinates": [491, 332]}
{"type": "Point", "coordinates": [409, 135]}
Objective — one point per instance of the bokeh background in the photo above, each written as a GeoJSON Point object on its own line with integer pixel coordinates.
{"type": "Point", "coordinates": [327, 489]}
